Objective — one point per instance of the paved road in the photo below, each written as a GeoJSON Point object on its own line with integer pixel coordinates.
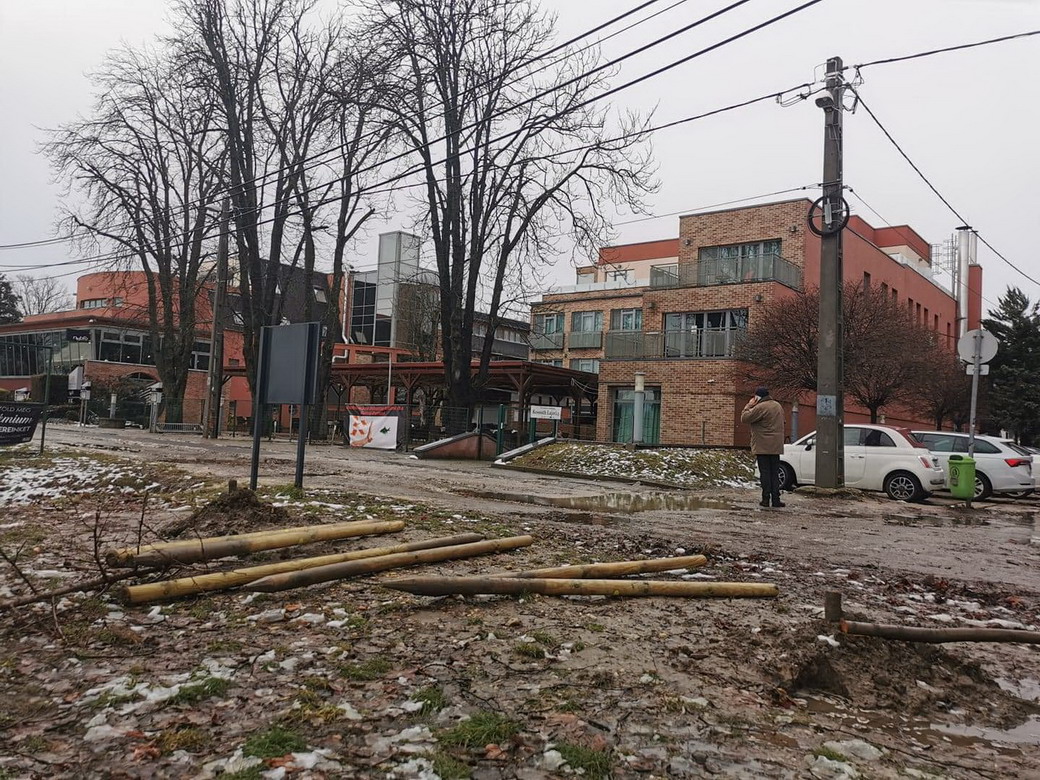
{"type": "Point", "coordinates": [998, 542]}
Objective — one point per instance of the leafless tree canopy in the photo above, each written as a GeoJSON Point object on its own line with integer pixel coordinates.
{"type": "Point", "coordinates": [506, 170]}
{"type": "Point", "coordinates": [888, 356]}
{"type": "Point", "coordinates": [41, 295]}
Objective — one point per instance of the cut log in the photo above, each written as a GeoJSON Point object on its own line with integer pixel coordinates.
{"type": "Point", "coordinates": [222, 580]}
{"type": "Point", "coordinates": [123, 557]}
{"type": "Point", "coordinates": [611, 569]}
{"type": "Point", "coordinates": [468, 586]}
{"type": "Point", "coordinates": [339, 571]}
{"type": "Point", "coordinates": [206, 550]}
{"type": "Point", "coordinates": [937, 636]}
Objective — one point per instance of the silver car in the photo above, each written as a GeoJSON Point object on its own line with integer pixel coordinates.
{"type": "Point", "coordinates": [1001, 466]}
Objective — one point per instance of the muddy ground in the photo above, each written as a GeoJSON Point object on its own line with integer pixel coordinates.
{"type": "Point", "coordinates": [355, 680]}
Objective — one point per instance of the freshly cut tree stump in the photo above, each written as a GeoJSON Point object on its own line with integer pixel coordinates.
{"type": "Point", "coordinates": [222, 580]}
{"type": "Point", "coordinates": [339, 571]}
{"type": "Point", "coordinates": [468, 586]}
{"type": "Point", "coordinates": [194, 550]}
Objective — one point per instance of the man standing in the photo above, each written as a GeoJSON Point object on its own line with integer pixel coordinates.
{"type": "Point", "coordinates": [765, 417]}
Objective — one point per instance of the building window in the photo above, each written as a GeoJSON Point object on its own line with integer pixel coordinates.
{"type": "Point", "coordinates": [746, 251]}
{"type": "Point", "coordinates": [122, 347]}
{"type": "Point", "coordinates": [866, 280]}
{"type": "Point", "coordinates": [94, 303]}
{"type": "Point", "coordinates": [626, 319]}
{"type": "Point", "coordinates": [884, 289]}
{"type": "Point", "coordinates": [703, 334]}
{"type": "Point", "coordinates": [320, 296]}
{"type": "Point", "coordinates": [548, 323]}
{"type": "Point", "coordinates": [619, 275]}
{"type": "Point", "coordinates": [895, 294]}
{"type": "Point", "coordinates": [587, 321]}
{"type": "Point", "coordinates": [585, 364]}
{"type": "Point", "coordinates": [558, 362]}
{"type": "Point", "coordinates": [200, 354]}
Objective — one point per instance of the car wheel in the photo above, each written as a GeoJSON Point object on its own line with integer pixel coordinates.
{"type": "Point", "coordinates": [983, 487]}
{"type": "Point", "coordinates": [903, 486]}
{"type": "Point", "coordinates": [787, 478]}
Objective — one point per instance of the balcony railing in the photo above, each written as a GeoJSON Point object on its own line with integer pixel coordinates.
{"type": "Point", "coordinates": [712, 271]}
{"type": "Point", "coordinates": [702, 343]}
{"type": "Point", "coordinates": [547, 340]}
{"type": "Point", "coordinates": [585, 339]}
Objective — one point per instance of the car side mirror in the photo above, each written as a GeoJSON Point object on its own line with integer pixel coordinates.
{"type": "Point", "coordinates": [808, 446]}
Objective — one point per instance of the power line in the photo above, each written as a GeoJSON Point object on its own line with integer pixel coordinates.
{"type": "Point", "coordinates": [932, 187]}
{"type": "Point", "coordinates": [303, 162]}
{"type": "Point", "coordinates": [946, 49]}
{"type": "Point", "coordinates": [428, 145]}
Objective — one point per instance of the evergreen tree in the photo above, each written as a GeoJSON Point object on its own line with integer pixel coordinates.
{"type": "Point", "coordinates": [1014, 398]}
{"type": "Point", "coordinates": [9, 302]}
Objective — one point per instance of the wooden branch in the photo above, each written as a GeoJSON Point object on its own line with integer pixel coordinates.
{"type": "Point", "coordinates": [339, 571]}
{"type": "Point", "coordinates": [208, 549]}
{"type": "Point", "coordinates": [940, 635]}
{"type": "Point", "coordinates": [612, 569]}
{"type": "Point", "coordinates": [444, 586]}
{"type": "Point", "coordinates": [76, 587]}
{"type": "Point", "coordinates": [222, 580]}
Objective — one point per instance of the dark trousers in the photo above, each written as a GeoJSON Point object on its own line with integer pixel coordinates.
{"type": "Point", "coordinates": [769, 476]}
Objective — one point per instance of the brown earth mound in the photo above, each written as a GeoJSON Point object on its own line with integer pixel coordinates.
{"type": "Point", "coordinates": [230, 513]}
{"type": "Point", "coordinates": [904, 677]}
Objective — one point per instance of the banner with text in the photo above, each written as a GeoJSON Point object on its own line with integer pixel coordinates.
{"type": "Point", "coordinates": [18, 422]}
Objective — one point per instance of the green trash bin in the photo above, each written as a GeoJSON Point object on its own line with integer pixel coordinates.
{"type": "Point", "coordinates": [962, 477]}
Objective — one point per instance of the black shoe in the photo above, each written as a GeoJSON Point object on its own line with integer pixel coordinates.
{"type": "Point", "coordinates": [764, 503]}
{"type": "Point", "coordinates": [779, 504]}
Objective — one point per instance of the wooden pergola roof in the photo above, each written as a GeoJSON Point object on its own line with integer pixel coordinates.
{"type": "Point", "coordinates": [519, 376]}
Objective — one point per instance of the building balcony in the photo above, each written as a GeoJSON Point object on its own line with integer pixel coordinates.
{"type": "Point", "coordinates": [707, 272]}
{"type": "Point", "coordinates": [584, 339]}
{"type": "Point", "coordinates": [546, 341]}
{"type": "Point", "coordinates": [671, 345]}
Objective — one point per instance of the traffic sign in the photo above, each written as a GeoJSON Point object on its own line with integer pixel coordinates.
{"type": "Point", "coordinates": [983, 369]}
{"type": "Point", "coordinates": [987, 346]}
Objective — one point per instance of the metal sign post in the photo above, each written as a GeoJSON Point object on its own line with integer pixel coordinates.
{"type": "Point", "coordinates": [976, 347]}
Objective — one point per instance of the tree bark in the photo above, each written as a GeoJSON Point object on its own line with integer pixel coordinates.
{"type": "Point", "coordinates": [468, 586]}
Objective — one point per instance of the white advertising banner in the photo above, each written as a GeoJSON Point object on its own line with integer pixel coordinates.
{"type": "Point", "coordinates": [376, 432]}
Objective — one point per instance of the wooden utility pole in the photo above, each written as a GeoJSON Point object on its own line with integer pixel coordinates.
{"type": "Point", "coordinates": [215, 376]}
{"type": "Point", "coordinates": [830, 402]}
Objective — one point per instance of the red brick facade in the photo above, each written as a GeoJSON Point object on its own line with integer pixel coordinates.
{"type": "Point", "coordinates": [701, 398]}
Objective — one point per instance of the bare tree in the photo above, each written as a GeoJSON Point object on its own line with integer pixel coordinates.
{"type": "Point", "coordinates": [885, 351]}
{"type": "Point", "coordinates": [945, 389]}
{"type": "Point", "coordinates": [505, 168]}
{"type": "Point", "coordinates": [41, 295]}
{"type": "Point", "coordinates": [147, 165]}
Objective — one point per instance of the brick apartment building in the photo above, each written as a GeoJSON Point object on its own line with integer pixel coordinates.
{"type": "Point", "coordinates": [675, 308]}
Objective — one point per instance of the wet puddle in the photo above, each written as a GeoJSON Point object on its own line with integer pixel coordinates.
{"type": "Point", "coordinates": [1023, 524]}
{"type": "Point", "coordinates": [924, 732]}
{"type": "Point", "coordinates": [618, 502]}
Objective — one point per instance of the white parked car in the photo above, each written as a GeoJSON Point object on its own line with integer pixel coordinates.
{"type": "Point", "coordinates": [1001, 466]}
{"type": "Point", "coordinates": [877, 457]}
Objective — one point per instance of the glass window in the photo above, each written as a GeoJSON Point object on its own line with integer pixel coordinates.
{"type": "Point", "coordinates": [619, 275]}
{"type": "Point", "coordinates": [877, 439]}
{"type": "Point", "coordinates": [938, 443]}
{"type": "Point", "coordinates": [626, 319]}
{"type": "Point", "coordinates": [549, 323]}
{"type": "Point", "coordinates": [986, 448]}
{"type": "Point", "coordinates": [703, 334]}
{"type": "Point", "coordinates": [320, 296]}
{"type": "Point", "coordinates": [585, 364]}
{"type": "Point", "coordinates": [853, 437]}
{"type": "Point", "coordinates": [587, 321]}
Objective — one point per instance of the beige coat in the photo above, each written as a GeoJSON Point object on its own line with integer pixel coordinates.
{"type": "Point", "coordinates": [766, 419]}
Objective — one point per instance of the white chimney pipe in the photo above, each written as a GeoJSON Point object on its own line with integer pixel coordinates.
{"type": "Point", "coordinates": [965, 241]}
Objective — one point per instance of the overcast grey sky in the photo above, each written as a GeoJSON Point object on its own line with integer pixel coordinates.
{"type": "Point", "coordinates": [969, 119]}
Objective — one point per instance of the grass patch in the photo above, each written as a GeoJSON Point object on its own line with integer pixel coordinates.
{"type": "Point", "coordinates": [224, 646]}
{"type": "Point", "coordinates": [529, 650]}
{"type": "Point", "coordinates": [544, 638]}
{"type": "Point", "coordinates": [193, 693]}
{"type": "Point", "coordinates": [186, 738]}
{"type": "Point", "coordinates": [449, 768]}
{"type": "Point", "coordinates": [594, 764]}
{"type": "Point", "coordinates": [833, 755]}
{"type": "Point", "coordinates": [365, 671]}
{"type": "Point", "coordinates": [432, 698]}
{"type": "Point", "coordinates": [274, 742]}
{"type": "Point", "coordinates": [252, 773]}
{"type": "Point", "coordinates": [482, 729]}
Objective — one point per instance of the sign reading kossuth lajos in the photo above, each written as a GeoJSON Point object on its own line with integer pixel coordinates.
{"type": "Point", "coordinates": [18, 422]}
